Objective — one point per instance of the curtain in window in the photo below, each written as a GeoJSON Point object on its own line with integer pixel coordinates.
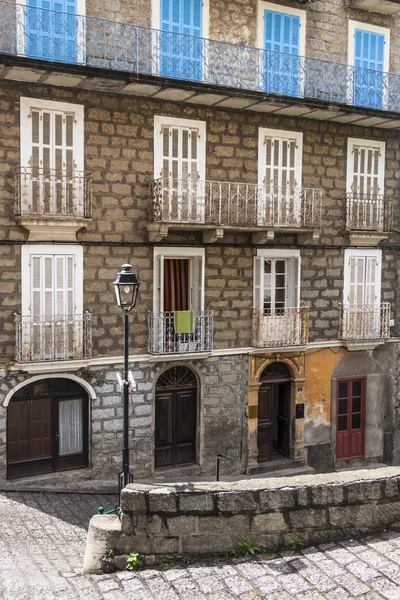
{"type": "Point", "coordinates": [70, 427]}
{"type": "Point", "coordinates": [176, 284]}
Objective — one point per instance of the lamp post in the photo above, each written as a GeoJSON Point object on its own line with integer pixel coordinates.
{"type": "Point", "coordinates": [126, 292]}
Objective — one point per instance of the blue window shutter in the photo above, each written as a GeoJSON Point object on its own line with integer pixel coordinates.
{"type": "Point", "coordinates": [165, 15]}
{"type": "Point", "coordinates": [282, 32]}
{"type": "Point", "coordinates": [369, 49]}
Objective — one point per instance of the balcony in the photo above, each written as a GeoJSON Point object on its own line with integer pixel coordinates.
{"type": "Point", "coordinates": [41, 339]}
{"type": "Point", "coordinates": [364, 326]}
{"type": "Point", "coordinates": [216, 206]}
{"type": "Point", "coordinates": [273, 328]}
{"type": "Point", "coordinates": [165, 339]}
{"type": "Point", "coordinates": [386, 7]}
{"type": "Point", "coordinates": [52, 198]}
{"type": "Point", "coordinates": [59, 48]}
{"type": "Point", "coordinates": [369, 218]}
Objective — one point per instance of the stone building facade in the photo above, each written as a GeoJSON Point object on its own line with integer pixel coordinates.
{"type": "Point", "coordinates": [269, 369]}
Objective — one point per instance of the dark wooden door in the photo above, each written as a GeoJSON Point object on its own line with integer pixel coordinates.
{"type": "Point", "coordinates": [350, 420]}
{"type": "Point", "coordinates": [175, 427]}
{"type": "Point", "coordinates": [283, 399]}
{"type": "Point", "coordinates": [29, 437]}
{"type": "Point", "coordinates": [265, 421]}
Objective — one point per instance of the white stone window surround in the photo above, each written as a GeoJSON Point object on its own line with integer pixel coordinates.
{"type": "Point", "coordinates": [263, 6]}
{"type": "Point", "coordinates": [273, 253]}
{"type": "Point", "coordinates": [367, 253]}
{"type": "Point", "coordinates": [279, 133]}
{"type": "Point", "coordinates": [30, 250]}
{"type": "Point", "coordinates": [205, 17]}
{"type": "Point", "coordinates": [27, 104]}
{"type": "Point", "coordinates": [159, 123]}
{"type": "Point", "coordinates": [176, 252]}
{"type": "Point", "coordinates": [351, 142]}
{"type": "Point", "coordinates": [353, 25]}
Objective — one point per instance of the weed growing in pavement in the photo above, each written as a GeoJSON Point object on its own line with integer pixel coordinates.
{"type": "Point", "coordinates": [295, 545]}
{"type": "Point", "coordinates": [245, 549]}
{"type": "Point", "coordinates": [134, 561]}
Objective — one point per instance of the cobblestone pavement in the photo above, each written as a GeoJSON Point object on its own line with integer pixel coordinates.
{"type": "Point", "coordinates": [42, 540]}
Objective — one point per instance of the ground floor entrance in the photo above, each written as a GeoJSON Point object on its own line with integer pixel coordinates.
{"type": "Point", "coordinates": [47, 428]}
{"type": "Point", "coordinates": [273, 433]}
{"type": "Point", "coordinates": [350, 425]}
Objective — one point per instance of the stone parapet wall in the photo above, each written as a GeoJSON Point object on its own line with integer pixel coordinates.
{"type": "Point", "coordinates": [207, 518]}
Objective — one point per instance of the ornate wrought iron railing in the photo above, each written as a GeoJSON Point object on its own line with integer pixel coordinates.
{"type": "Point", "coordinates": [42, 339]}
{"type": "Point", "coordinates": [280, 327]}
{"type": "Point", "coordinates": [364, 321]}
{"type": "Point", "coordinates": [52, 193]}
{"type": "Point", "coordinates": [369, 212]}
{"type": "Point", "coordinates": [63, 37]}
{"type": "Point", "coordinates": [163, 338]}
{"type": "Point", "coordinates": [234, 204]}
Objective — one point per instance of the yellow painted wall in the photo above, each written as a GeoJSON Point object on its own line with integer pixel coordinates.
{"type": "Point", "coordinates": [319, 369]}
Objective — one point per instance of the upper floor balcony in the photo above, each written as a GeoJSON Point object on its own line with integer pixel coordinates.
{"type": "Point", "coordinates": [273, 328]}
{"type": "Point", "coordinates": [55, 198]}
{"type": "Point", "coordinates": [66, 49]}
{"type": "Point", "coordinates": [216, 206]}
{"type": "Point", "coordinates": [364, 325]}
{"type": "Point", "coordinates": [369, 217]}
{"type": "Point", "coordinates": [53, 338]}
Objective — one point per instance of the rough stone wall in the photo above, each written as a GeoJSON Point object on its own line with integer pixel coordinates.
{"type": "Point", "coordinates": [119, 154]}
{"type": "Point", "coordinates": [221, 415]}
{"type": "Point", "coordinates": [214, 517]}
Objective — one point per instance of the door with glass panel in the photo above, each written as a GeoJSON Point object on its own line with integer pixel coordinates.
{"type": "Point", "coordinates": [51, 30]}
{"type": "Point", "coordinates": [362, 318]}
{"type": "Point", "coordinates": [282, 60]}
{"type": "Point", "coordinates": [53, 333]}
{"type": "Point", "coordinates": [369, 78]}
{"type": "Point", "coordinates": [48, 179]}
{"type": "Point", "coordinates": [350, 418]}
{"type": "Point", "coordinates": [180, 39]}
{"type": "Point", "coordinates": [71, 447]}
{"type": "Point", "coordinates": [280, 178]}
{"type": "Point", "coordinates": [183, 193]}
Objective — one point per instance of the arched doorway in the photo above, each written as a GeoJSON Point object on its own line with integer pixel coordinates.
{"type": "Point", "coordinates": [273, 432]}
{"type": "Point", "coordinates": [47, 428]}
{"type": "Point", "coordinates": [176, 418]}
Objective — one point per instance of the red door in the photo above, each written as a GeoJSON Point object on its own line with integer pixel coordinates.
{"type": "Point", "coordinates": [265, 421]}
{"type": "Point", "coordinates": [283, 394]}
{"type": "Point", "coordinates": [350, 420]}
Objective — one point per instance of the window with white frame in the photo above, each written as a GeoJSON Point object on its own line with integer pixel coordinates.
{"type": "Point", "coordinates": [365, 167]}
{"type": "Point", "coordinates": [368, 53]}
{"type": "Point", "coordinates": [178, 279]}
{"type": "Point", "coordinates": [362, 277]}
{"type": "Point", "coordinates": [280, 173]}
{"type": "Point", "coordinates": [52, 157]}
{"type": "Point", "coordinates": [276, 280]}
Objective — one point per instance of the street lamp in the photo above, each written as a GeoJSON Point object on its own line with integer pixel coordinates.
{"type": "Point", "coordinates": [126, 292]}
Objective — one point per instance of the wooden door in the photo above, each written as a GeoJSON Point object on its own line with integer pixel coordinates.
{"type": "Point", "coordinates": [175, 427]}
{"type": "Point", "coordinates": [29, 437]}
{"type": "Point", "coordinates": [283, 398]}
{"type": "Point", "coordinates": [350, 420]}
{"type": "Point", "coordinates": [265, 421]}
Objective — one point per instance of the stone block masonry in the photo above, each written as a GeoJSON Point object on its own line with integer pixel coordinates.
{"type": "Point", "coordinates": [203, 518]}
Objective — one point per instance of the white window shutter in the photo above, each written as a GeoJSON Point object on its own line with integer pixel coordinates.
{"type": "Point", "coordinates": [60, 309]}
{"type": "Point", "coordinates": [356, 280]}
{"type": "Point", "coordinates": [197, 283]}
{"type": "Point", "coordinates": [48, 288]}
{"type": "Point", "coordinates": [296, 281]}
{"type": "Point", "coordinates": [367, 168]}
{"type": "Point", "coordinates": [258, 279]}
{"type": "Point", "coordinates": [71, 308]}
{"type": "Point", "coordinates": [371, 292]}
{"type": "Point", "coordinates": [36, 286]}
{"type": "Point", "coordinates": [160, 294]}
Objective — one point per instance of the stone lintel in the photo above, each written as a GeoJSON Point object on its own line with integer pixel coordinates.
{"type": "Point", "coordinates": [211, 236]}
{"type": "Point", "coordinates": [367, 238]}
{"type": "Point", "coordinates": [62, 229]}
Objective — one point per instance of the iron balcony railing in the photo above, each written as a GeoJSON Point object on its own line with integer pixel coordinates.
{"type": "Point", "coordinates": [52, 193]}
{"type": "Point", "coordinates": [369, 212]}
{"type": "Point", "coordinates": [364, 321]}
{"type": "Point", "coordinates": [42, 339]}
{"type": "Point", "coordinates": [163, 338]}
{"type": "Point", "coordinates": [234, 204]}
{"type": "Point", "coordinates": [67, 38]}
{"type": "Point", "coordinates": [280, 327]}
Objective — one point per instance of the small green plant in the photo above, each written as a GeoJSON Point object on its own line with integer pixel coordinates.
{"type": "Point", "coordinates": [295, 545]}
{"type": "Point", "coordinates": [189, 560]}
{"type": "Point", "coordinates": [134, 561]}
{"type": "Point", "coordinates": [110, 554]}
{"type": "Point", "coordinates": [245, 549]}
{"type": "Point", "coordinates": [167, 565]}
